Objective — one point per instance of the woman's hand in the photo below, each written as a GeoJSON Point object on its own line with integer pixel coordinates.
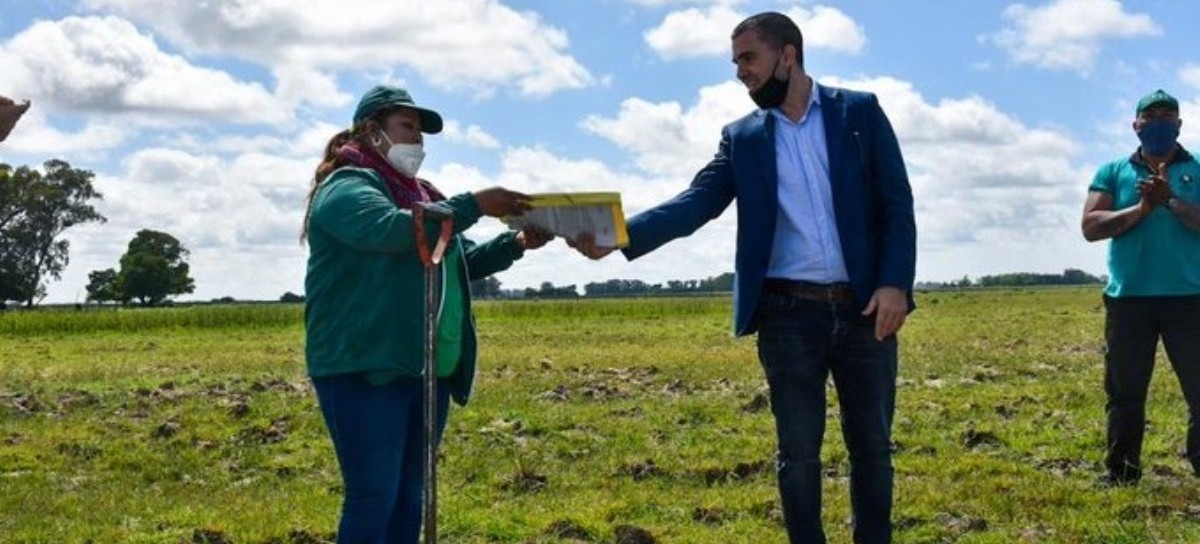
{"type": "Point", "coordinates": [532, 237]}
{"type": "Point", "coordinates": [500, 202]}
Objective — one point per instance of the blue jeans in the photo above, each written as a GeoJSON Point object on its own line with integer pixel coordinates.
{"type": "Point", "coordinates": [1133, 326]}
{"type": "Point", "coordinates": [800, 343]}
{"type": "Point", "coordinates": [378, 434]}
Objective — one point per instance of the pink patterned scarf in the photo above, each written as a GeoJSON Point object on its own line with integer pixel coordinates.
{"type": "Point", "coordinates": [405, 190]}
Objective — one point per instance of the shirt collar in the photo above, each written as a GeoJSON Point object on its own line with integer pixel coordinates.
{"type": "Point", "coordinates": [814, 104]}
{"type": "Point", "coordinates": [1180, 155]}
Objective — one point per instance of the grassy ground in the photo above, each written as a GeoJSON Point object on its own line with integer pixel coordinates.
{"type": "Point", "coordinates": [592, 420]}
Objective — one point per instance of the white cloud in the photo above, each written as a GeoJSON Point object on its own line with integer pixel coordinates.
{"type": "Point", "coordinates": [828, 28]}
{"type": "Point", "coordinates": [667, 141]}
{"type": "Point", "coordinates": [104, 65]}
{"type": "Point", "coordinates": [980, 175]}
{"type": "Point", "coordinates": [1068, 34]}
{"type": "Point", "coordinates": [299, 84]}
{"type": "Point", "coordinates": [472, 135]}
{"type": "Point", "coordinates": [476, 45]}
{"type": "Point", "coordinates": [34, 135]}
{"type": "Point", "coordinates": [697, 32]}
{"type": "Point", "coordinates": [662, 3]}
{"type": "Point", "coordinates": [1190, 76]}
{"type": "Point", "coordinates": [693, 33]}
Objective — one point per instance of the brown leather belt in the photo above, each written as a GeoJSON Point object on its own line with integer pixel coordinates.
{"type": "Point", "coordinates": [835, 292]}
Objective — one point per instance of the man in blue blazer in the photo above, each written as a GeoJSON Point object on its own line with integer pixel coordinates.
{"type": "Point", "coordinates": [826, 254]}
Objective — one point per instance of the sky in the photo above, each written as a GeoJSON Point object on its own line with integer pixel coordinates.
{"type": "Point", "coordinates": [205, 119]}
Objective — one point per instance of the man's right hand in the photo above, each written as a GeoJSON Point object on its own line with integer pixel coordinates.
{"type": "Point", "coordinates": [500, 202]}
{"type": "Point", "coordinates": [1154, 190]}
{"type": "Point", "coordinates": [585, 244]}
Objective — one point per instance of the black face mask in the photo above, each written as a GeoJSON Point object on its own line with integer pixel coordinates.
{"type": "Point", "coordinates": [771, 94]}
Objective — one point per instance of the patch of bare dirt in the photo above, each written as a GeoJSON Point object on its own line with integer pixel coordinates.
{"type": "Point", "coordinates": [710, 515]}
{"type": "Point", "coordinates": [631, 534]}
{"type": "Point", "coordinates": [525, 481]}
{"type": "Point", "coordinates": [642, 471]}
{"type": "Point", "coordinates": [569, 530]}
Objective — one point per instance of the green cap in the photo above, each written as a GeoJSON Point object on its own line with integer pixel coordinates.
{"type": "Point", "coordinates": [1157, 97]}
{"type": "Point", "coordinates": [386, 96]}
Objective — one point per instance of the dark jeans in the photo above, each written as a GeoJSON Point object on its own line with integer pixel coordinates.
{"type": "Point", "coordinates": [1132, 328]}
{"type": "Point", "coordinates": [800, 343]}
{"type": "Point", "coordinates": [378, 434]}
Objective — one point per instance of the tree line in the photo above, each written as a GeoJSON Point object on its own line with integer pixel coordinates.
{"type": "Point", "coordinates": [490, 287]}
{"type": "Point", "coordinates": [1070, 276]}
{"type": "Point", "coordinates": [36, 209]}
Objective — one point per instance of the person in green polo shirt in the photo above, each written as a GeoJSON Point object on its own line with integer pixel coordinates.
{"type": "Point", "coordinates": [1148, 206]}
{"type": "Point", "coordinates": [364, 313]}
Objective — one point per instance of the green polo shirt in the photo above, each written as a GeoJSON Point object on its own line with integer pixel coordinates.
{"type": "Point", "coordinates": [1160, 256]}
{"type": "Point", "coordinates": [449, 324]}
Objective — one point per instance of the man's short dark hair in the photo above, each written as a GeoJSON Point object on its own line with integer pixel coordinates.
{"type": "Point", "coordinates": [776, 29]}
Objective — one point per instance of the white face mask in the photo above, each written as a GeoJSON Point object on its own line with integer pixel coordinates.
{"type": "Point", "coordinates": [405, 157]}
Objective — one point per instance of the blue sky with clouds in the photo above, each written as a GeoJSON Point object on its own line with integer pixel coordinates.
{"type": "Point", "coordinates": [206, 119]}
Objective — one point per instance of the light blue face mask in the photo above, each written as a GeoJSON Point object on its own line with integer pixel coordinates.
{"type": "Point", "coordinates": [1158, 137]}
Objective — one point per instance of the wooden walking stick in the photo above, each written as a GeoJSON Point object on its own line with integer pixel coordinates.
{"type": "Point", "coordinates": [430, 261]}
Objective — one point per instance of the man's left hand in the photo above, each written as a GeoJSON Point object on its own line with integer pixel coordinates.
{"type": "Point", "coordinates": [890, 307]}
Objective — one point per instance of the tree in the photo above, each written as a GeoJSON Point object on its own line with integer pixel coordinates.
{"type": "Point", "coordinates": [102, 286]}
{"type": "Point", "coordinates": [488, 287]}
{"type": "Point", "coordinates": [35, 209]}
{"type": "Point", "coordinates": [154, 268]}
{"type": "Point", "coordinates": [291, 298]}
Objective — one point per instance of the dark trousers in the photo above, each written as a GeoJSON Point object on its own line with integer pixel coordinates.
{"type": "Point", "coordinates": [801, 343]}
{"type": "Point", "coordinates": [1132, 328]}
{"type": "Point", "coordinates": [378, 433]}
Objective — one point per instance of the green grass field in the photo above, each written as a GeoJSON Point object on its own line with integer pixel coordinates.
{"type": "Point", "coordinates": [591, 418]}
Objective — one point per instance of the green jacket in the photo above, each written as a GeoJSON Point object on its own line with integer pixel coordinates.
{"type": "Point", "coordinates": [365, 308]}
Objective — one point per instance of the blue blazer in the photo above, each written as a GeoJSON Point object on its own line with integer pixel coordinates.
{"type": "Point", "coordinates": [871, 199]}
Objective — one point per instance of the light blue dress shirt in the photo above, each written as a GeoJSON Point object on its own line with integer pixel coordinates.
{"type": "Point", "coordinates": [806, 245]}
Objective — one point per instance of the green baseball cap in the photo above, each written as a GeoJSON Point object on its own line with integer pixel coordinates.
{"type": "Point", "coordinates": [386, 96]}
{"type": "Point", "coordinates": [1157, 97]}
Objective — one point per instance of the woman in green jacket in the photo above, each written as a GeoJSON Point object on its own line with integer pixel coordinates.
{"type": "Point", "coordinates": [364, 316]}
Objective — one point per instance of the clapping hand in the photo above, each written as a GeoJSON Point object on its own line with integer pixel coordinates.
{"type": "Point", "coordinates": [1156, 190]}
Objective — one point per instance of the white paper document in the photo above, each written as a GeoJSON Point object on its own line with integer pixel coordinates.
{"type": "Point", "coordinates": [571, 214]}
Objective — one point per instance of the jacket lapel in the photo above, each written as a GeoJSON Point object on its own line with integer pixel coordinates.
{"type": "Point", "coordinates": [833, 114]}
{"type": "Point", "coordinates": [765, 135]}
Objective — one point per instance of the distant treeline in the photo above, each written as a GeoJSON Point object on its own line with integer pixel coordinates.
{"type": "Point", "coordinates": [490, 287]}
{"type": "Point", "coordinates": [1070, 276]}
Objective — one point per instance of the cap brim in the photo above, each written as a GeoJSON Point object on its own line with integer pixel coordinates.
{"type": "Point", "coordinates": [431, 121]}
